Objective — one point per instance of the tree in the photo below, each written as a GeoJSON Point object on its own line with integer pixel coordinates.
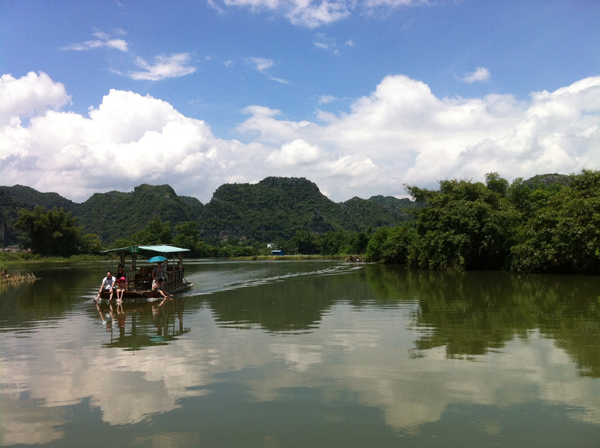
{"type": "Point", "coordinates": [91, 244]}
{"type": "Point", "coordinates": [391, 244]}
{"type": "Point", "coordinates": [306, 242]}
{"type": "Point", "coordinates": [187, 235]}
{"type": "Point", "coordinates": [465, 226]}
{"type": "Point", "coordinates": [495, 183]}
{"type": "Point", "coordinates": [156, 232]}
{"type": "Point", "coordinates": [160, 230]}
{"type": "Point", "coordinates": [564, 235]}
{"type": "Point", "coordinates": [52, 232]}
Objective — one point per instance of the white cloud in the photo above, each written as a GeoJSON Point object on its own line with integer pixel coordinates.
{"type": "Point", "coordinates": [295, 153]}
{"type": "Point", "coordinates": [261, 64]}
{"type": "Point", "coordinates": [400, 133]}
{"type": "Point", "coordinates": [481, 74]}
{"type": "Point", "coordinates": [326, 43]}
{"type": "Point", "coordinates": [173, 66]}
{"type": "Point", "coordinates": [30, 95]}
{"type": "Point", "coordinates": [312, 13]}
{"type": "Point", "coordinates": [305, 14]}
{"type": "Point", "coordinates": [103, 40]}
{"type": "Point", "coordinates": [324, 99]}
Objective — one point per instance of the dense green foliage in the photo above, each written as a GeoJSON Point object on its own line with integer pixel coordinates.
{"type": "Point", "coordinates": [466, 226]}
{"type": "Point", "coordinates": [551, 224]}
{"type": "Point", "coordinates": [54, 233]}
{"type": "Point", "coordinates": [391, 244]}
{"type": "Point", "coordinates": [564, 234]}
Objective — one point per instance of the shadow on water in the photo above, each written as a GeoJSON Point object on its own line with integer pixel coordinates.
{"type": "Point", "coordinates": [471, 313]}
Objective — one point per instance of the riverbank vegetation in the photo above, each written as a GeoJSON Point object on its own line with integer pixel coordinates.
{"type": "Point", "coordinates": [526, 227]}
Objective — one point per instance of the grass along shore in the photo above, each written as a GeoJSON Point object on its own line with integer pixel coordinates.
{"type": "Point", "coordinates": [8, 277]}
{"type": "Point", "coordinates": [28, 257]}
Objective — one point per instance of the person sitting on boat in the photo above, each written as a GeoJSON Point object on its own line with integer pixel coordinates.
{"type": "Point", "coordinates": [107, 285]}
{"type": "Point", "coordinates": [157, 286]}
{"type": "Point", "coordinates": [121, 288]}
{"type": "Point", "coordinates": [120, 272]}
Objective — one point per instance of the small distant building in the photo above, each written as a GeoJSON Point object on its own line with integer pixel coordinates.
{"type": "Point", "coordinates": [277, 252]}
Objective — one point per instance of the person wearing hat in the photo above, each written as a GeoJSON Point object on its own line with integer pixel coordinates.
{"type": "Point", "coordinates": [121, 288]}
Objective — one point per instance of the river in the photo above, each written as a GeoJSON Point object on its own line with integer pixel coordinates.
{"type": "Point", "coordinates": [303, 354]}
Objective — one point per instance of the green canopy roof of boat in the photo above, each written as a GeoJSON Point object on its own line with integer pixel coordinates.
{"type": "Point", "coordinates": [162, 249]}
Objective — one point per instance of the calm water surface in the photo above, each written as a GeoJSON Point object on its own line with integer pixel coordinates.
{"type": "Point", "coordinates": [303, 354]}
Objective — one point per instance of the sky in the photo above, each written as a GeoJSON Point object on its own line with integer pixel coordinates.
{"type": "Point", "coordinates": [360, 97]}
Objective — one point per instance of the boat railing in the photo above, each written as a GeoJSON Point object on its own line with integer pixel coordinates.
{"type": "Point", "coordinates": [174, 280]}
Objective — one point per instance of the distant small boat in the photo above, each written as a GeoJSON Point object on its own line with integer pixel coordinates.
{"type": "Point", "coordinates": [139, 280]}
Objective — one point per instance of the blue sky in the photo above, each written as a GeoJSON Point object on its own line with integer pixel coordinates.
{"type": "Point", "coordinates": [359, 97]}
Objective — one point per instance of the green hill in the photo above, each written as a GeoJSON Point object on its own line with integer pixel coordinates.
{"type": "Point", "coordinates": [545, 180]}
{"type": "Point", "coordinates": [277, 207]}
{"type": "Point", "coordinates": [115, 214]}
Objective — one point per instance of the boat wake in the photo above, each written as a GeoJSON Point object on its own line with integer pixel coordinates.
{"type": "Point", "coordinates": [210, 282]}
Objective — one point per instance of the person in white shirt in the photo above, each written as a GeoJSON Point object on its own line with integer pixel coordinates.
{"type": "Point", "coordinates": [107, 285]}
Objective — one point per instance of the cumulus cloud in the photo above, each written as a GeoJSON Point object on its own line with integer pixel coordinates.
{"type": "Point", "coordinates": [400, 133]}
{"type": "Point", "coordinates": [481, 74]}
{"type": "Point", "coordinates": [174, 66]}
{"type": "Point", "coordinates": [295, 153]}
{"type": "Point", "coordinates": [30, 95]}
{"type": "Point", "coordinates": [103, 40]}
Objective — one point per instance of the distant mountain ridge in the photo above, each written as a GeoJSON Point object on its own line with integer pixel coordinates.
{"type": "Point", "coordinates": [275, 207]}
{"type": "Point", "coordinates": [110, 215]}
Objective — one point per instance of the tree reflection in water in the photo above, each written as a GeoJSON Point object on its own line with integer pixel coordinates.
{"type": "Point", "coordinates": [471, 313]}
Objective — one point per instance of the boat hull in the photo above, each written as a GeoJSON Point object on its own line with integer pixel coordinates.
{"type": "Point", "coordinates": [145, 295]}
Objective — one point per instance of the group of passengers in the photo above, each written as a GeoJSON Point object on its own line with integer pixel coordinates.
{"type": "Point", "coordinates": [119, 283]}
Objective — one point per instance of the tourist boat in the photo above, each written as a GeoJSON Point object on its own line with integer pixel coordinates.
{"type": "Point", "coordinates": [139, 280]}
